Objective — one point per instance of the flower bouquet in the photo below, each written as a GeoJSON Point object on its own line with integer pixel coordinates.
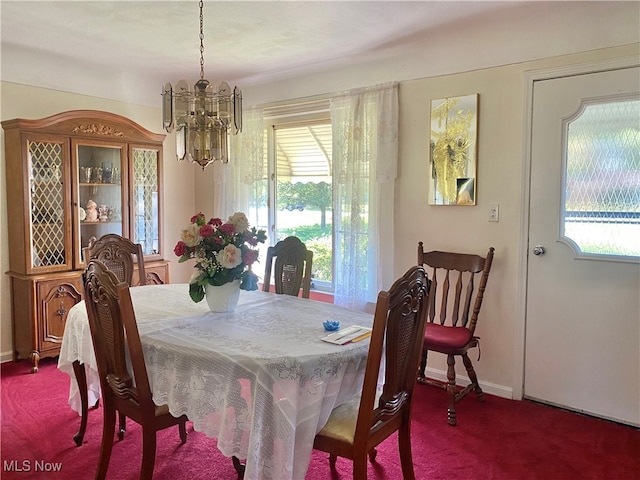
{"type": "Point", "coordinates": [223, 252]}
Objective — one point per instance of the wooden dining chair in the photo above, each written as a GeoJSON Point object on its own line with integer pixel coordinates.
{"type": "Point", "coordinates": [125, 388]}
{"type": "Point", "coordinates": [120, 255]}
{"type": "Point", "coordinates": [292, 268]}
{"type": "Point", "coordinates": [354, 429]}
{"type": "Point", "coordinates": [458, 284]}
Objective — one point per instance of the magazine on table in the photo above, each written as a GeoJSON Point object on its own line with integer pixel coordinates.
{"type": "Point", "coordinates": [351, 334]}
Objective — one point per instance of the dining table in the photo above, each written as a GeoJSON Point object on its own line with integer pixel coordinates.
{"type": "Point", "coordinates": [259, 379]}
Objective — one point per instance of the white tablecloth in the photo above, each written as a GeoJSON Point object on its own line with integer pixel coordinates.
{"type": "Point", "coordinates": [258, 379]}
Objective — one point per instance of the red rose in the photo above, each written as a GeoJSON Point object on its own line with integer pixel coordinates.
{"type": "Point", "coordinates": [216, 222]}
{"type": "Point", "coordinates": [180, 248]}
{"type": "Point", "coordinates": [206, 230]}
{"type": "Point", "coordinates": [199, 219]}
{"type": "Point", "coordinates": [228, 229]}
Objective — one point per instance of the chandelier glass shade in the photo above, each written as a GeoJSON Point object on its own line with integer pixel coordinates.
{"type": "Point", "coordinates": [202, 116]}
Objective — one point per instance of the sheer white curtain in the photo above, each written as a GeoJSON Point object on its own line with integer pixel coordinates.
{"type": "Point", "coordinates": [365, 159]}
{"type": "Point", "coordinates": [238, 184]}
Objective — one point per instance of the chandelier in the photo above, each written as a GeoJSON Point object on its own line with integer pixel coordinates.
{"type": "Point", "coordinates": [202, 117]}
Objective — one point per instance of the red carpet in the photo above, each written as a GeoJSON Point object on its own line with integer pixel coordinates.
{"type": "Point", "coordinates": [498, 440]}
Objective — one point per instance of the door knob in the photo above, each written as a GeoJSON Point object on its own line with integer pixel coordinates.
{"type": "Point", "coordinates": [538, 250]}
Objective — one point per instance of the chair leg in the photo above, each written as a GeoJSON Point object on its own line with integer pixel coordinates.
{"type": "Point", "coordinates": [182, 428]}
{"type": "Point", "coordinates": [108, 427]}
{"type": "Point", "coordinates": [473, 377]}
{"type": "Point", "coordinates": [148, 453]}
{"type": "Point", "coordinates": [373, 453]}
{"type": "Point", "coordinates": [422, 369]}
{"type": "Point", "coordinates": [81, 380]}
{"type": "Point", "coordinates": [360, 467]}
{"type": "Point", "coordinates": [404, 443]}
{"type": "Point", "coordinates": [451, 389]}
{"type": "Point", "coordinates": [122, 420]}
{"type": "Point", "coordinates": [238, 466]}
{"type": "Point", "coordinates": [332, 460]}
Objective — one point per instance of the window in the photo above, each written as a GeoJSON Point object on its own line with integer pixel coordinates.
{"type": "Point", "coordinates": [344, 148]}
{"type": "Point", "coordinates": [297, 200]}
{"type": "Point", "coordinates": [300, 158]}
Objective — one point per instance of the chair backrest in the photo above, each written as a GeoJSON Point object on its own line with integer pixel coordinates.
{"type": "Point", "coordinates": [398, 330]}
{"type": "Point", "coordinates": [292, 268]}
{"type": "Point", "coordinates": [114, 332]}
{"type": "Point", "coordinates": [458, 282]}
{"type": "Point", "coordinates": [118, 253]}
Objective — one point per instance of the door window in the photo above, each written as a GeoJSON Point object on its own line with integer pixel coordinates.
{"type": "Point", "coordinates": [602, 179]}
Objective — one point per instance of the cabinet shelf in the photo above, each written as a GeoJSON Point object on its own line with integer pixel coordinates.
{"type": "Point", "coordinates": [99, 184]}
{"type": "Point", "coordinates": [86, 224]}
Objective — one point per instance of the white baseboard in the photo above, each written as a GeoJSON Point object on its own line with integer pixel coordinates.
{"type": "Point", "coordinates": [6, 357]}
{"type": "Point", "coordinates": [487, 387]}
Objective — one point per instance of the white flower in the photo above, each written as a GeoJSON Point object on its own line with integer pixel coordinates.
{"type": "Point", "coordinates": [191, 235]}
{"type": "Point", "coordinates": [239, 221]}
{"type": "Point", "coordinates": [230, 257]}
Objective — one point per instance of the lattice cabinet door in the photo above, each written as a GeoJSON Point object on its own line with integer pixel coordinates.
{"type": "Point", "coordinates": [47, 240]}
{"type": "Point", "coordinates": [146, 201]}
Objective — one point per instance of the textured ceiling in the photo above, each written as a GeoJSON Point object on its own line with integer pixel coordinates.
{"type": "Point", "coordinates": [53, 43]}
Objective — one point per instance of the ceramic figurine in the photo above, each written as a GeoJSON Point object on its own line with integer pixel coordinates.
{"type": "Point", "coordinates": [103, 213]}
{"type": "Point", "coordinates": [92, 211]}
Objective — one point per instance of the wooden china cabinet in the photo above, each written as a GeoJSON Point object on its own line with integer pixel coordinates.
{"type": "Point", "coordinates": [71, 177]}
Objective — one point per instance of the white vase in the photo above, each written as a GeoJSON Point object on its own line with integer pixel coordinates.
{"type": "Point", "coordinates": [223, 298]}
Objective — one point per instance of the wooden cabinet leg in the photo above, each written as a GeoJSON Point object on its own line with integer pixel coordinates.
{"type": "Point", "coordinates": [35, 361]}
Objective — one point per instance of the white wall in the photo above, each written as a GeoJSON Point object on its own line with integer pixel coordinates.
{"type": "Point", "coordinates": [20, 101]}
{"type": "Point", "coordinates": [501, 157]}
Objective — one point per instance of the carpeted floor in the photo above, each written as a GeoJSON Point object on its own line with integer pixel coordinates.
{"type": "Point", "coordinates": [496, 440]}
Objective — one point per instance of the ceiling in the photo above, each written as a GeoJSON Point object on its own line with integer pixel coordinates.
{"type": "Point", "coordinates": [58, 44]}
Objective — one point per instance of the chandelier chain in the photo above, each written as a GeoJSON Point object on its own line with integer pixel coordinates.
{"type": "Point", "coordinates": [201, 41]}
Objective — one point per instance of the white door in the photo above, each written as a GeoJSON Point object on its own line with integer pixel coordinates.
{"type": "Point", "coordinates": [582, 347]}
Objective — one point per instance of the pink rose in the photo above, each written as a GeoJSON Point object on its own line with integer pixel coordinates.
{"type": "Point", "coordinates": [230, 257]}
{"type": "Point", "coordinates": [249, 257]}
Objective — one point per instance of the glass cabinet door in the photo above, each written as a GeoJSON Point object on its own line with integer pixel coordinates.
{"type": "Point", "coordinates": [145, 199]}
{"type": "Point", "coordinates": [50, 247]}
{"type": "Point", "coordinates": [100, 192]}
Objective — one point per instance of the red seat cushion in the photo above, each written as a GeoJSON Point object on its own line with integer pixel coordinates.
{"type": "Point", "coordinates": [440, 337]}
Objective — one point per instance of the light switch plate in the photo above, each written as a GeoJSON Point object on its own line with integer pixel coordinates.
{"type": "Point", "coordinates": [494, 212]}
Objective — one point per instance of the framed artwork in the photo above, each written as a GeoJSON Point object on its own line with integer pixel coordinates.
{"type": "Point", "coordinates": [452, 152]}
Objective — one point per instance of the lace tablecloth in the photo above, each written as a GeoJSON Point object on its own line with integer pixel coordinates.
{"type": "Point", "coordinates": [258, 379]}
